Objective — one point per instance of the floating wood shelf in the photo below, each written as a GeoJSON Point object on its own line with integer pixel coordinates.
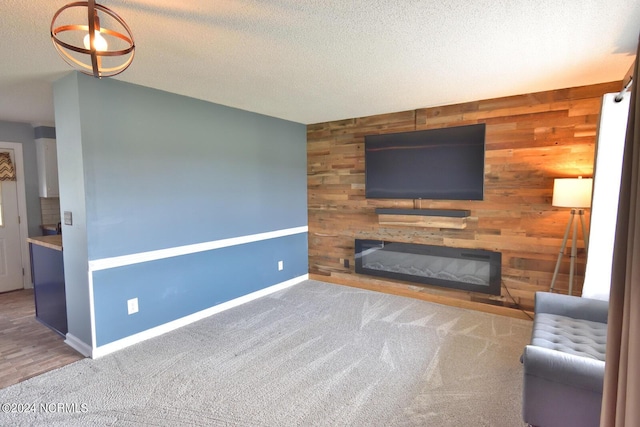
{"type": "Point", "coordinates": [423, 221]}
{"type": "Point", "coordinates": [431, 218]}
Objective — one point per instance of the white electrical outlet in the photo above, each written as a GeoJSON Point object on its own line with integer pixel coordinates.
{"type": "Point", "coordinates": [132, 305]}
{"type": "Point", "coordinates": [280, 265]}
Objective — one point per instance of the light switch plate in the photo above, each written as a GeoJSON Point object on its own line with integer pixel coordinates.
{"type": "Point", "coordinates": [68, 218]}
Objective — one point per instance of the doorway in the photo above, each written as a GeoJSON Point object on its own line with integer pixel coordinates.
{"type": "Point", "coordinates": [14, 254]}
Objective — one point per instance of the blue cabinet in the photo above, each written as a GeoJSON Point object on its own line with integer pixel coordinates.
{"type": "Point", "coordinates": [48, 284]}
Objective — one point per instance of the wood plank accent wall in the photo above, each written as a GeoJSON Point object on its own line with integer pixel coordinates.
{"type": "Point", "coordinates": [530, 140]}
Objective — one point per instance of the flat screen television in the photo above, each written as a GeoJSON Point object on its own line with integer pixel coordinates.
{"type": "Point", "coordinates": [442, 164]}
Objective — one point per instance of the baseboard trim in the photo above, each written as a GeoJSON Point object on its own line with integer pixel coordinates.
{"type": "Point", "coordinates": [103, 350]}
{"type": "Point", "coordinates": [78, 345]}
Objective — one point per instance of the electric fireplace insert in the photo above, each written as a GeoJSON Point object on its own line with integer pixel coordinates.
{"type": "Point", "coordinates": [474, 270]}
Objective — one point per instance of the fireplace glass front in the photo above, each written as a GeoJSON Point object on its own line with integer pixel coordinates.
{"type": "Point", "coordinates": [467, 269]}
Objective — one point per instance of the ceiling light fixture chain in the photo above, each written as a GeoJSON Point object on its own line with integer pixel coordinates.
{"type": "Point", "coordinates": [88, 59]}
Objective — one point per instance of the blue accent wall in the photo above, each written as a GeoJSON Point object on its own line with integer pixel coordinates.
{"type": "Point", "coordinates": [163, 170]}
{"type": "Point", "coordinates": [157, 171]}
{"type": "Point", "coordinates": [171, 288]}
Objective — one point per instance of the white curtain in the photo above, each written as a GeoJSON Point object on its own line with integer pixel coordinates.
{"type": "Point", "coordinates": [612, 130]}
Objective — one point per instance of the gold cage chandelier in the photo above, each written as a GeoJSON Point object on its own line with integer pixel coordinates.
{"type": "Point", "coordinates": [105, 52]}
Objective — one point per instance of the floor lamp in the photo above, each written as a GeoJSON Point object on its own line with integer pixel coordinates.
{"type": "Point", "coordinates": [574, 193]}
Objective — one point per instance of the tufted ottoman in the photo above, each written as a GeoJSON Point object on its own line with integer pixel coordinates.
{"type": "Point", "coordinates": [564, 363]}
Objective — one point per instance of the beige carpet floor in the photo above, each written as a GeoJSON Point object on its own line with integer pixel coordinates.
{"type": "Point", "coordinates": [315, 354]}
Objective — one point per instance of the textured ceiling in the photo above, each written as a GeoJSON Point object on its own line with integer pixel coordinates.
{"type": "Point", "coordinates": [314, 61]}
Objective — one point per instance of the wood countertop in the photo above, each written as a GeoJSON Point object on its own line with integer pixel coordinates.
{"type": "Point", "coordinates": [52, 242]}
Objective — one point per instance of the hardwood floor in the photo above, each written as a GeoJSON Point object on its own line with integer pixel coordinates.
{"type": "Point", "coordinates": [27, 347]}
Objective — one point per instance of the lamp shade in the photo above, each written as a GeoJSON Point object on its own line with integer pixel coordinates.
{"type": "Point", "coordinates": [572, 192]}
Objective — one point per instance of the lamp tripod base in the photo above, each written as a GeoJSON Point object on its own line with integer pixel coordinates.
{"type": "Point", "coordinates": [574, 249]}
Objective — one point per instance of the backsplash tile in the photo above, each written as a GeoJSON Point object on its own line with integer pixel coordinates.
{"type": "Point", "coordinates": [50, 208]}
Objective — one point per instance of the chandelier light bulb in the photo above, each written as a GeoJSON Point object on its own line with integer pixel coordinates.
{"type": "Point", "coordinates": [99, 42]}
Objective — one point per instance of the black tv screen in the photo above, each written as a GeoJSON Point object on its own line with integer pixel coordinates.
{"type": "Point", "coordinates": [444, 164]}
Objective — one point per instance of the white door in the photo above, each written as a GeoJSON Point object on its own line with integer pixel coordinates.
{"type": "Point", "coordinates": [10, 247]}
